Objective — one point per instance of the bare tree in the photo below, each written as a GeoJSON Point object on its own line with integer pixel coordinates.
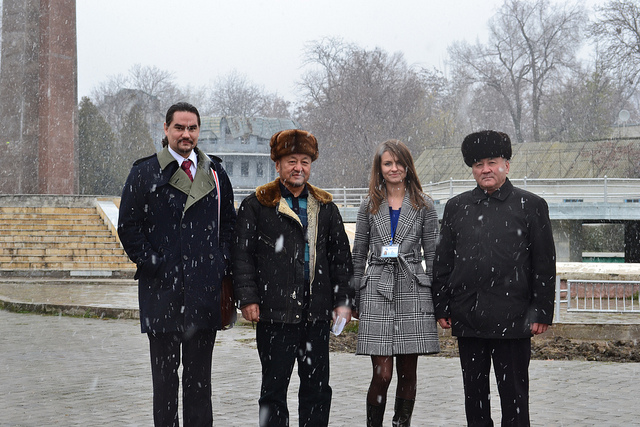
{"type": "Point", "coordinates": [147, 89]}
{"type": "Point", "coordinates": [276, 106]}
{"type": "Point", "coordinates": [354, 99]}
{"type": "Point", "coordinates": [195, 95]}
{"type": "Point", "coordinates": [529, 43]}
{"type": "Point", "coordinates": [502, 72]}
{"type": "Point", "coordinates": [105, 97]}
{"type": "Point", "coordinates": [235, 95]}
{"type": "Point", "coordinates": [584, 107]}
{"type": "Point", "coordinates": [153, 81]}
{"type": "Point", "coordinates": [616, 31]}
{"type": "Point", "coordinates": [551, 36]}
{"type": "Point", "coordinates": [445, 115]}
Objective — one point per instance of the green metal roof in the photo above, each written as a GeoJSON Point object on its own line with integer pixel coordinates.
{"type": "Point", "coordinates": [592, 159]}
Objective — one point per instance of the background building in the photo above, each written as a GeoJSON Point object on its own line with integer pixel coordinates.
{"type": "Point", "coordinates": [243, 145]}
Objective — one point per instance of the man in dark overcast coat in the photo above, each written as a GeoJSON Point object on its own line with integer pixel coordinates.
{"type": "Point", "coordinates": [494, 279]}
{"type": "Point", "coordinates": [176, 222]}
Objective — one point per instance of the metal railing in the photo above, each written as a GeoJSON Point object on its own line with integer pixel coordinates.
{"type": "Point", "coordinates": [570, 190]}
{"type": "Point", "coordinates": [561, 298]}
{"type": "Point", "coordinates": [343, 197]}
{"type": "Point", "coordinates": [602, 296]}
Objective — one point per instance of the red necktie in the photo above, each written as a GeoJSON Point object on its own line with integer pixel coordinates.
{"type": "Point", "coordinates": [186, 166]}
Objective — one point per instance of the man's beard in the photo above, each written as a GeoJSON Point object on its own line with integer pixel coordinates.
{"type": "Point", "coordinates": [298, 184]}
{"type": "Point", "coordinates": [184, 150]}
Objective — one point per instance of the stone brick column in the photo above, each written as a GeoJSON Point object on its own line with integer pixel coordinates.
{"type": "Point", "coordinates": [58, 95]}
{"type": "Point", "coordinates": [19, 76]}
{"type": "Point", "coordinates": [38, 98]}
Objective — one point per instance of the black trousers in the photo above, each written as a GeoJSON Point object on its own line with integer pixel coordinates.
{"type": "Point", "coordinates": [197, 351]}
{"type": "Point", "coordinates": [511, 365]}
{"type": "Point", "coordinates": [279, 346]}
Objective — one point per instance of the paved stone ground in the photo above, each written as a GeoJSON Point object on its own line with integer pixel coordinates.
{"type": "Point", "coordinates": [69, 371]}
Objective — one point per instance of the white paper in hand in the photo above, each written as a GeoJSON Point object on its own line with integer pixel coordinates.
{"type": "Point", "coordinates": [338, 325]}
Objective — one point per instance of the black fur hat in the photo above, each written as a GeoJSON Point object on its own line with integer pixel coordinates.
{"type": "Point", "coordinates": [484, 144]}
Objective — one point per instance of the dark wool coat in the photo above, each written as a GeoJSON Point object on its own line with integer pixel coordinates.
{"type": "Point", "coordinates": [394, 294]}
{"type": "Point", "coordinates": [268, 256]}
{"type": "Point", "coordinates": [169, 227]}
{"type": "Point", "coordinates": [495, 267]}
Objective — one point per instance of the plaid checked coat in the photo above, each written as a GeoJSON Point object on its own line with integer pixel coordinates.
{"type": "Point", "coordinates": [393, 296]}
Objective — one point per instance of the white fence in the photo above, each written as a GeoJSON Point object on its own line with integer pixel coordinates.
{"type": "Point", "coordinates": [570, 190]}
{"type": "Point", "coordinates": [611, 296]}
{"type": "Point", "coordinates": [591, 190]}
{"type": "Point", "coordinates": [598, 296]}
{"type": "Point", "coordinates": [343, 197]}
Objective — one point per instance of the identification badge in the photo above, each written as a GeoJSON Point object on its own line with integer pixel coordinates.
{"type": "Point", "coordinates": [390, 251]}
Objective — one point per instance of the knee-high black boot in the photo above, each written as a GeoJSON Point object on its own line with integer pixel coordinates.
{"type": "Point", "coordinates": [375, 414]}
{"type": "Point", "coordinates": [402, 412]}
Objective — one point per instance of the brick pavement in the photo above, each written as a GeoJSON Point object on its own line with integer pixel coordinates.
{"type": "Point", "coordinates": [69, 371]}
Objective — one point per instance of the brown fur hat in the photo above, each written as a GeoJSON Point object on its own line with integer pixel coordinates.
{"type": "Point", "coordinates": [293, 141]}
{"type": "Point", "coordinates": [485, 144]}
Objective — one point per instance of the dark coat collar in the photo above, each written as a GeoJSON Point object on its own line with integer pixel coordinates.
{"type": "Point", "coordinates": [478, 194]}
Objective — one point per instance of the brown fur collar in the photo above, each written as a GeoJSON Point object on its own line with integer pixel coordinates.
{"type": "Point", "coordinates": [269, 194]}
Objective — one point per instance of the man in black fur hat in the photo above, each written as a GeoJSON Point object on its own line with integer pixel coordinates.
{"type": "Point", "coordinates": [494, 279]}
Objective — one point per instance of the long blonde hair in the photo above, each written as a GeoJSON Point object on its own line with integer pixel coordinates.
{"type": "Point", "coordinates": [377, 186]}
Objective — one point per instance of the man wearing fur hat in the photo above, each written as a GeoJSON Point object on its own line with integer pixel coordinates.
{"type": "Point", "coordinates": [291, 269]}
{"type": "Point", "coordinates": [494, 279]}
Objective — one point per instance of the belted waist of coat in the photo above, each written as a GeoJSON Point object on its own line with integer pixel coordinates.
{"type": "Point", "coordinates": [386, 283]}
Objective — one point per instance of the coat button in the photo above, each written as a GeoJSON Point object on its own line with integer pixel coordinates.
{"type": "Point", "coordinates": [184, 225]}
{"type": "Point", "coordinates": [184, 257]}
{"type": "Point", "coordinates": [210, 256]}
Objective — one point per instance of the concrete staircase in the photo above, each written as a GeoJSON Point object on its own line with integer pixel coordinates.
{"type": "Point", "coordinates": [59, 241]}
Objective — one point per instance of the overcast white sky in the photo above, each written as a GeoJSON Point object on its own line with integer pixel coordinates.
{"type": "Point", "coordinates": [200, 40]}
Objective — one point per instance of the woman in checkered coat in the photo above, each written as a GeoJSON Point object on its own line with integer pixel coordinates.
{"type": "Point", "coordinates": [397, 225]}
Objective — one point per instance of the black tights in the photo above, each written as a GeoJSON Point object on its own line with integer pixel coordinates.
{"type": "Point", "coordinates": [406, 367]}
